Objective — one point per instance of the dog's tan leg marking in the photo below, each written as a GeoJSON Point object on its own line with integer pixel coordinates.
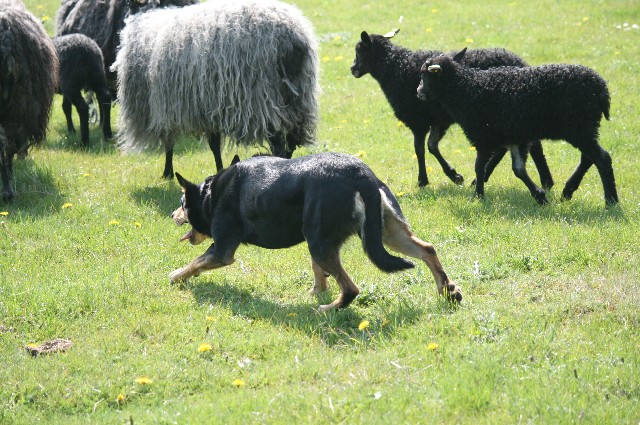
{"type": "Point", "coordinates": [319, 279]}
{"type": "Point", "coordinates": [397, 236]}
{"type": "Point", "coordinates": [348, 289]}
{"type": "Point", "coordinates": [201, 264]}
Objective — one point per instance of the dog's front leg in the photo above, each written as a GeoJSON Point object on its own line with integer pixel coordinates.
{"type": "Point", "coordinates": [207, 261]}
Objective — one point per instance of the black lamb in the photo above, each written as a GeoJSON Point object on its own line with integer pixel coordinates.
{"type": "Point", "coordinates": [28, 79]}
{"type": "Point", "coordinates": [508, 107]}
{"type": "Point", "coordinates": [82, 68]}
{"type": "Point", "coordinates": [397, 70]}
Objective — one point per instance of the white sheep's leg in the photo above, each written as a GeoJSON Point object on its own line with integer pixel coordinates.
{"type": "Point", "coordinates": [518, 158]}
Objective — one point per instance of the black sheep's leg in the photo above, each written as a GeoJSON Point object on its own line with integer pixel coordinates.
{"type": "Point", "coordinates": [66, 108]}
{"type": "Point", "coordinates": [6, 166]}
{"type": "Point", "coordinates": [418, 147]}
{"type": "Point", "coordinates": [436, 134]}
{"type": "Point", "coordinates": [593, 154]}
{"type": "Point", "coordinates": [518, 164]}
{"type": "Point", "coordinates": [495, 159]}
{"type": "Point", "coordinates": [104, 106]}
{"type": "Point", "coordinates": [168, 158]}
{"type": "Point", "coordinates": [83, 112]}
{"type": "Point", "coordinates": [216, 148]}
{"type": "Point", "coordinates": [537, 154]}
{"type": "Point", "coordinates": [482, 157]}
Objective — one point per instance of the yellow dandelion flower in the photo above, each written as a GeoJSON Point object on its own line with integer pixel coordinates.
{"type": "Point", "coordinates": [457, 151]}
{"type": "Point", "coordinates": [121, 398]}
{"type": "Point", "coordinates": [434, 10]}
{"type": "Point", "coordinates": [326, 59]}
{"type": "Point", "coordinates": [429, 169]}
{"type": "Point", "coordinates": [415, 156]}
{"type": "Point", "coordinates": [137, 224]}
{"type": "Point", "coordinates": [211, 319]}
{"type": "Point", "coordinates": [363, 325]}
{"type": "Point", "coordinates": [361, 154]}
{"type": "Point", "coordinates": [32, 345]}
{"type": "Point", "coordinates": [238, 383]}
{"type": "Point", "coordinates": [338, 58]}
{"type": "Point", "coordinates": [343, 121]}
{"type": "Point", "coordinates": [86, 175]}
{"type": "Point", "coordinates": [67, 205]}
{"type": "Point", "coordinates": [143, 380]}
{"type": "Point", "coordinates": [45, 18]}
{"type": "Point", "coordinates": [292, 314]}
{"type": "Point", "coordinates": [400, 124]}
{"type": "Point", "coordinates": [472, 148]}
{"type": "Point", "coordinates": [113, 222]}
{"type": "Point", "coordinates": [585, 19]}
{"type": "Point", "coordinates": [203, 348]}
{"type": "Point", "coordinates": [432, 346]}
{"type": "Point", "coordinates": [400, 194]}
{"type": "Point", "coordinates": [4, 213]}
{"type": "Point", "coordinates": [468, 40]}
{"type": "Point", "coordinates": [428, 30]}
{"type": "Point", "coordinates": [337, 38]}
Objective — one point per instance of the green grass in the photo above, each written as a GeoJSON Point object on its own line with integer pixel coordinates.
{"type": "Point", "coordinates": [548, 332]}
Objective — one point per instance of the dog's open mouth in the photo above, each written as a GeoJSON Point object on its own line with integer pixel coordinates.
{"type": "Point", "coordinates": [188, 235]}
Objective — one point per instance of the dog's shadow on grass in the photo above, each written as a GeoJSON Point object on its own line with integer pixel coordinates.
{"type": "Point", "coordinates": [340, 328]}
{"type": "Point", "coordinates": [35, 188]}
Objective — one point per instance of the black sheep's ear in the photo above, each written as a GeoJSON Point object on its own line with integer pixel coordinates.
{"type": "Point", "coordinates": [366, 40]}
{"type": "Point", "coordinates": [235, 160]}
{"type": "Point", "coordinates": [458, 57]}
{"type": "Point", "coordinates": [184, 183]}
{"type": "Point", "coordinates": [392, 33]}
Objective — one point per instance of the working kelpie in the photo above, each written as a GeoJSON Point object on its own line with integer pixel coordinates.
{"type": "Point", "coordinates": [323, 199]}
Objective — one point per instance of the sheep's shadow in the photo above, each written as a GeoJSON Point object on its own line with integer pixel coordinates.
{"type": "Point", "coordinates": [514, 203]}
{"type": "Point", "coordinates": [335, 329]}
{"type": "Point", "coordinates": [35, 188]}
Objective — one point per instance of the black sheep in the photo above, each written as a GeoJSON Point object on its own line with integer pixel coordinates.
{"type": "Point", "coordinates": [397, 70]}
{"type": "Point", "coordinates": [28, 79]}
{"type": "Point", "coordinates": [508, 107]}
{"type": "Point", "coordinates": [102, 20]}
{"type": "Point", "coordinates": [82, 68]}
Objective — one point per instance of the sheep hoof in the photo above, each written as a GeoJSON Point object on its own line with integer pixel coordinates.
{"type": "Point", "coordinates": [423, 183]}
{"type": "Point", "coordinates": [459, 180]}
{"type": "Point", "coordinates": [540, 197]}
{"type": "Point", "coordinates": [567, 194]}
{"type": "Point", "coordinates": [7, 196]}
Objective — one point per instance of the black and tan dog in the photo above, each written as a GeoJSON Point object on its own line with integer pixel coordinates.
{"type": "Point", "coordinates": [323, 199]}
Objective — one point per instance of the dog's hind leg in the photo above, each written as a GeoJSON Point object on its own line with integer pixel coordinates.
{"type": "Point", "coordinates": [348, 290]}
{"type": "Point", "coordinates": [319, 279]}
{"type": "Point", "coordinates": [397, 236]}
{"type": "Point", "coordinates": [203, 263]}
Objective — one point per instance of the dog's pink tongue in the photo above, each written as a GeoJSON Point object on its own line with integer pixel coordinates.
{"type": "Point", "coordinates": [187, 236]}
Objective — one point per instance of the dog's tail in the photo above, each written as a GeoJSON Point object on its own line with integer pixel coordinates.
{"type": "Point", "coordinates": [371, 235]}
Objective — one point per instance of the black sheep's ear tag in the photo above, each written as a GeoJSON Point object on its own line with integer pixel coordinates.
{"type": "Point", "coordinates": [366, 40]}
{"type": "Point", "coordinates": [235, 160]}
{"type": "Point", "coordinates": [184, 183]}
{"type": "Point", "coordinates": [392, 33]}
{"type": "Point", "coordinates": [458, 57]}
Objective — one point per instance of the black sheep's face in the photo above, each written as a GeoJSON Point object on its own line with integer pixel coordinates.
{"type": "Point", "coordinates": [360, 65]}
{"type": "Point", "coordinates": [434, 70]}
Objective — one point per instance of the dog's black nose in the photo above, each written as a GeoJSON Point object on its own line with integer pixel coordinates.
{"type": "Point", "coordinates": [172, 213]}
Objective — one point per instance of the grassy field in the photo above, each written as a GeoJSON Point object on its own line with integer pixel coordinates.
{"type": "Point", "coordinates": [548, 332]}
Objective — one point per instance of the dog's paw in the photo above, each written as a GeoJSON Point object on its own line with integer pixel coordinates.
{"type": "Point", "coordinates": [179, 275]}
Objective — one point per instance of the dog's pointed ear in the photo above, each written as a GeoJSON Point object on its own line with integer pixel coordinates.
{"type": "Point", "coordinates": [366, 40]}
{"type": "Point", "coordinates": [184, 183]}
{"type": "Point", "coordinates": [235, 160]}
{"type": "Point", "coordinates": [458, 57]}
